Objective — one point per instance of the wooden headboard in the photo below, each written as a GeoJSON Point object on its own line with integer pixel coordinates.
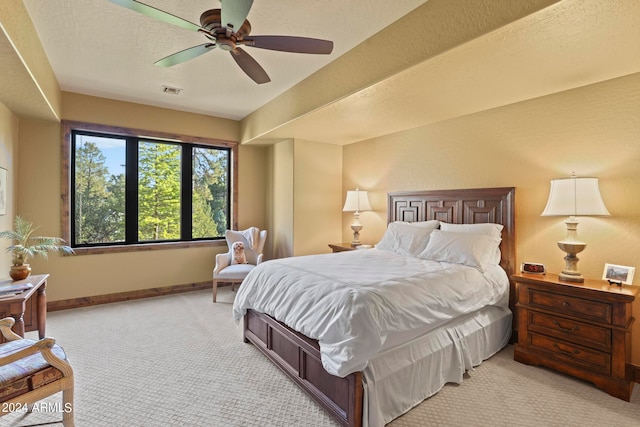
{"type": "Point", "coordinates": [469, 206]}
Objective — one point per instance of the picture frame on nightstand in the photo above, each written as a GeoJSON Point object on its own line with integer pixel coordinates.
{"type": "Point", "coordinates": [618, 274]}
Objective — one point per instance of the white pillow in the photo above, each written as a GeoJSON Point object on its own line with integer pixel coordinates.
{"type": "Point", "coordinates": [472, 249]}
{"type": "Point", "coordinates": [407, 239]}
{"type": "Point", "coordinates": [490, 229]}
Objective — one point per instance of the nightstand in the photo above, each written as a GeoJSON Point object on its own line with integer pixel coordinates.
{"type": "Point", "coordinates": [581, 329]}
{"type": "Point", "coordinates": [341, 247]}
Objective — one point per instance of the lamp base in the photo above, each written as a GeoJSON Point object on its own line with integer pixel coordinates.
{"type": "Point", "coordinates": [571, 277]}
{"type": "Point", "coordinates": [570, 272]}
{"type": "Point", "coordinates": [356, 234]}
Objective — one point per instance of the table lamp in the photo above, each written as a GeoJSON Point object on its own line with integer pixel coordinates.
{"type": "Point", "coordinates": [357, 201]}
{"type": "Point", "coordinates": [574, 196]}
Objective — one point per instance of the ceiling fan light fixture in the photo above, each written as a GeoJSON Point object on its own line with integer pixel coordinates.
{"type": "Point", "coordinates": [225, 44]}
{"type": "Point", "coordinates": [171, 90]}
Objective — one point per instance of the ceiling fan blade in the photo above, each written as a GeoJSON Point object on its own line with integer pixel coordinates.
{"type": "Point", "coordinates": [185, 55]}
{"type": "Point", "coordinates": [250, 66]}
{"type": "Point", "coordinates": [158, 14]}
{"type": "Point", "coordinates": [290, 44]}
{"type": "Point", "coordinates": [234, 13]}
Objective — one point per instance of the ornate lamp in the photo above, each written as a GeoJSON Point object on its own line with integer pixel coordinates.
{"type": "Point", "coordinates": [357, 201]}
{"type": "Point", "coordinates": [574, 197]}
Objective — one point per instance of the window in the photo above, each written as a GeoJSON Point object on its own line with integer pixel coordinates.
{"type": "Point", "coordinates": [128, 187]}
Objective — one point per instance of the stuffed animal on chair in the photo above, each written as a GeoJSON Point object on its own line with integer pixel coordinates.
{"type": "Point", "coordinates": [238, 255]}
{"type": "Point", "coordinates": [243, 254]}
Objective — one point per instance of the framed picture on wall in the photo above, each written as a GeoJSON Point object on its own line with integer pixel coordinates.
{"type": "Point", "coordinates": [3, 191]}
{"type": "Point", "coordinates": [618, 273]}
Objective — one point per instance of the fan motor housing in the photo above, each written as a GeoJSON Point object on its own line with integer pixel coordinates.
{"type": "Point", "coordinates": [212, 21]}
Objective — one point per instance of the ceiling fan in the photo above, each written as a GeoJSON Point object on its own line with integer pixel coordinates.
{"type": "Point", "coordinates": [227, 28]}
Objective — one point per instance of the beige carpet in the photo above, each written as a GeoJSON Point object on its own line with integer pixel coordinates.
{"type": "Point", "coordinates": [180, 361]}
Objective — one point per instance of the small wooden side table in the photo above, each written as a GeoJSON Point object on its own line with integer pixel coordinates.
{"type": "Point", "coordinates": [341, 247]}
{"type": "Point", "coordinates": [29, 313]}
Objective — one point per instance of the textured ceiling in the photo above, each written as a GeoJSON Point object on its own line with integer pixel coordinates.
{"type": "Point", "coordinates": [98, 48]}
{"type": "Point", "coordinates": [570, 44]}
{"type": "Point", "coordinates": [541, 47]}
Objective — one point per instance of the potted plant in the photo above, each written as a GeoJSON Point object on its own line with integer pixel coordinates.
{"type": "Point", "coordinates": [26, 245]}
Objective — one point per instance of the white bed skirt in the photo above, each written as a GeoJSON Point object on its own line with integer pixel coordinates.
{"type": "Point", "coordinates": [400, 378]}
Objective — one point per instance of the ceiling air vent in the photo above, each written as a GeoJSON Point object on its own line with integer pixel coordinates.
{"type": "Point", "coordinates": [171, 90]}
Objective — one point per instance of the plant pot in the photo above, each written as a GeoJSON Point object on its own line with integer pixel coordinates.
{"type": "Point", "coordinates": [20, 272]}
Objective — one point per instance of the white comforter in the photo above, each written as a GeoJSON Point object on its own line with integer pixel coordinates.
{"type": "Point", "coordinates": [351, 301]}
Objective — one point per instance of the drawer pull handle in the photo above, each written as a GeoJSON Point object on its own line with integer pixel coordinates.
{"type": "Point", "coordinates": [557, 347]}
{"type": "Point", "coordinates": [565, 304]}
{"type": "Point", "coordinates": [575, 328]}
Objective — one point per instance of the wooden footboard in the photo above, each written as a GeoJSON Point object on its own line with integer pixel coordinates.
{"type": "Point", "coordinates": [299, 357]}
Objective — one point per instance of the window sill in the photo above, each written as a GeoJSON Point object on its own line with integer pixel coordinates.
{"type": "Point", "coordinates": [147, 247]}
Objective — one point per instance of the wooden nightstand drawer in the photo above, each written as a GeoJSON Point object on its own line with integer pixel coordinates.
{"type": "Point", "coordinates": [593, 359]}
{"type": "Point", "coordinates": [585, 309]}
{"type": "Point", "coordinates": [570, 330]}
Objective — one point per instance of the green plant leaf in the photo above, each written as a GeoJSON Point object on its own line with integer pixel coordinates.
{"type": "Point", "coordinates": [26, 246]}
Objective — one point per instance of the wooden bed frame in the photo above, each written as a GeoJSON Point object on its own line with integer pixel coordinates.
{"type": "Point", "coordinates": [299, 356]}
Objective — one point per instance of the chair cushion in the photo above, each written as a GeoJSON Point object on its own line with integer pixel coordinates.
{"type": "Point", "coordinates": [235, 271]}
{"type": "Point", "coordinates": [20, 369]}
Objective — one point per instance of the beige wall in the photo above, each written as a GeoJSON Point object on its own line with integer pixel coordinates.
{"type": "Point", "coordinates": [304, 178]}
{"type": "Point", "coordinates": [39, 200]}
{"type": "Point", "coordinates": [592, 131]}
{"type": "Point", "coordinates": [252, 195]}
{"type": "Point", "coordinates": [317, 209]}
{"type": "Point", "coordinates": [9, 127]}
{"type": "Point", "coordinates": [280, 190]}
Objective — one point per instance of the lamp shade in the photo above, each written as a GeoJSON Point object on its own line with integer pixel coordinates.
{"type": "Point", "coordinates": [575, 197]}
{"type": "Point", "coordinates": [357, 201]}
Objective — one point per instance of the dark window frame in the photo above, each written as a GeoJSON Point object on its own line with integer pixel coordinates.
{"type": "Point", "coordinates": [66, 190]}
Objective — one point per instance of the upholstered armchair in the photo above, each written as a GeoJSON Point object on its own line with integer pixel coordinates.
{"type": "Point", "coordinates": [233, 266]}
{"type": "Point", "coordinates": [32, 370]}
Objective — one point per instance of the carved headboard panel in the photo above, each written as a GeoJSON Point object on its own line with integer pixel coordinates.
{"type": "Point", "coordinates": [469, 206]}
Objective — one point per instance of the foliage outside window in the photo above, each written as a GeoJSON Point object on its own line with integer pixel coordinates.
{"type": "Point", "coordinates": [127, 189]}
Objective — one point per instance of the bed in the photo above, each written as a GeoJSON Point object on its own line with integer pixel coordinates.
{"type": "Point", "coordinates": [365, 383]}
